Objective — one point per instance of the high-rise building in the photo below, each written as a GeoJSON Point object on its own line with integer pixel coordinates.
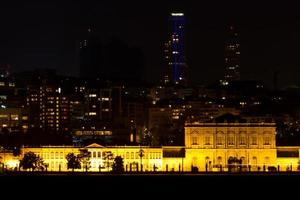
{"type": "Point", "coordinates": [110, 59]}
{"type": "Point", "coordinates": [90, 53]}
{"type": "Point", "coordinates": [174, 51]}
{"type": "Point", "coordinates": [232, 56]}
{"type": "Point", "coordinates": [49, 107]}
{"type": "Point", "coordinates": [4, 70]}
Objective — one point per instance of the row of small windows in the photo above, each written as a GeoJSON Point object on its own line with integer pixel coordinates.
{"type": "Point", "coordinates": [51, 155]}
{"type": "Point", "coordinates": [94, 154]}
{"type": "Point", "coordinates": [230, 140]}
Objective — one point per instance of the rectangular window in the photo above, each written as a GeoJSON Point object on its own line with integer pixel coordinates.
{"type": "Point", "coordinates": [266, 140]}
{"type": "Point", "coordinates": [94, 154]}
{"type": "Point", "coordinates": [254, 140]}
{"type": "Point", "coordinates": [242, 140]}
{"type": "Point", "coordinates": [14, 117]}
{"type": "Point", "coordinates": [99, 154]}
{"type": "Point", "coordinates": [207, 140]}
{"type": "Point", "coordinates": [132, 155]}
{"type": "Point", "coordinates": [219, 140]}
{"type": "Point", "coordinates": [230, 140]}
{"type": "Point", "coordinates": [194, 140]}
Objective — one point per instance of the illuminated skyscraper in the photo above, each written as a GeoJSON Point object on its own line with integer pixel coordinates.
{"type": "Point", "coordinates": [232, 56]}
{"type": "Point", "coordinates": [174, 51]}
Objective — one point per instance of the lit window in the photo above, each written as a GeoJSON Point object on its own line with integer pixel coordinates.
{"type": "Point", "coordinates": [242, 140]}
{"type": "Point", "coordinates": [24, 126]}
{"type": "Point", "coordinates": [14, 117]}
{"type": "Point", "coordinates": [207, 140]}
{"type": "Point", "coordinates": [230, 140]}
{"type": "Point", "coordinates": [219, 140]}
{"type": "Point", "coordinates": [254, 140]}
{"type": "Point", "coordinates": [3, 116]}
{"type": "Point", "coordinates": [92, 95]}
{"type": "Point", "coordinates": [194, 140]}
{"type": "Point", "coordinates": [266, 140]}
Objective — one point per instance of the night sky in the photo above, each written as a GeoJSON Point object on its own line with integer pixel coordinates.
{"type": "Point", "coordinates": [46, 35]}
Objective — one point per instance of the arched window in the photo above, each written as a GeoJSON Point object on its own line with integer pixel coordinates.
{"type": "Point", "coordinates": [267, 160]}
{"type": "Point", "coordinates": [220, 138]}
{"type": "Point", "coordinates": [254, 160]}
{"type": "Point", "coordinates": [219, 160]}
{"type": "Point", "coordinates": [207, 159]}
{"type": "Point", "coordinates": [243, 159]}
{"type": "Point", "coordinates": [194, 161]}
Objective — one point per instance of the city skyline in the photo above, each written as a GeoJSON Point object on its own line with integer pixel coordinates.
{"type": "Point", "coordinates": [268, 38]}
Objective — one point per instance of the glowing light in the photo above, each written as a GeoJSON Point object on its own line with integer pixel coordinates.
{"type": "Point", "coordinates": [12, 163]}
{"type": "Point", "coordinates": [177, 14]}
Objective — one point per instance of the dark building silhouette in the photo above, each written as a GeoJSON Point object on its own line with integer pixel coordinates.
{"type": "Point", "coordinates": [275, 79]}
{"type": "Point", "coordinates": [91, 56]}
{"type": "Point", "coordinates": [123, 62]}
{"type": "Point", "coordinates": [110, 60]}
{"type": "Point", "coordinates": [232, 56]}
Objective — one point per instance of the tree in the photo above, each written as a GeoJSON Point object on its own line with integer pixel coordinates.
{"type": "Point", "coordinates": [16, 151]}
{"type": "Point", "coordinates": [73, 162]}
{"type": "Point", "coordinates": [141, 155]}
{"type": "Point", "coordinates": [234, 164]}
{"type": "Point", "coordinates": [108, 158]}
{"type": "Point", "coordinates": [84, 157]}
{"type": "Point", "coordinates": [32, 161]}
{"type": "Point", "coordinates": [118, 165]}
{"type": "Point", "coordinates": [146, 137]}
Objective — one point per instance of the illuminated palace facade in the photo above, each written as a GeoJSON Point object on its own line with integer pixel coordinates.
{"type": "Point", "coordinates": [208, 147]}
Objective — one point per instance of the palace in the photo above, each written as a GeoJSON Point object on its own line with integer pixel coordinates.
{"type": "Point", "coordinates": [208, 147]}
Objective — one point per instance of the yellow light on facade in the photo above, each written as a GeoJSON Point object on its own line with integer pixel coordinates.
{"type": "Point", "coordinates": [12, 163]}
